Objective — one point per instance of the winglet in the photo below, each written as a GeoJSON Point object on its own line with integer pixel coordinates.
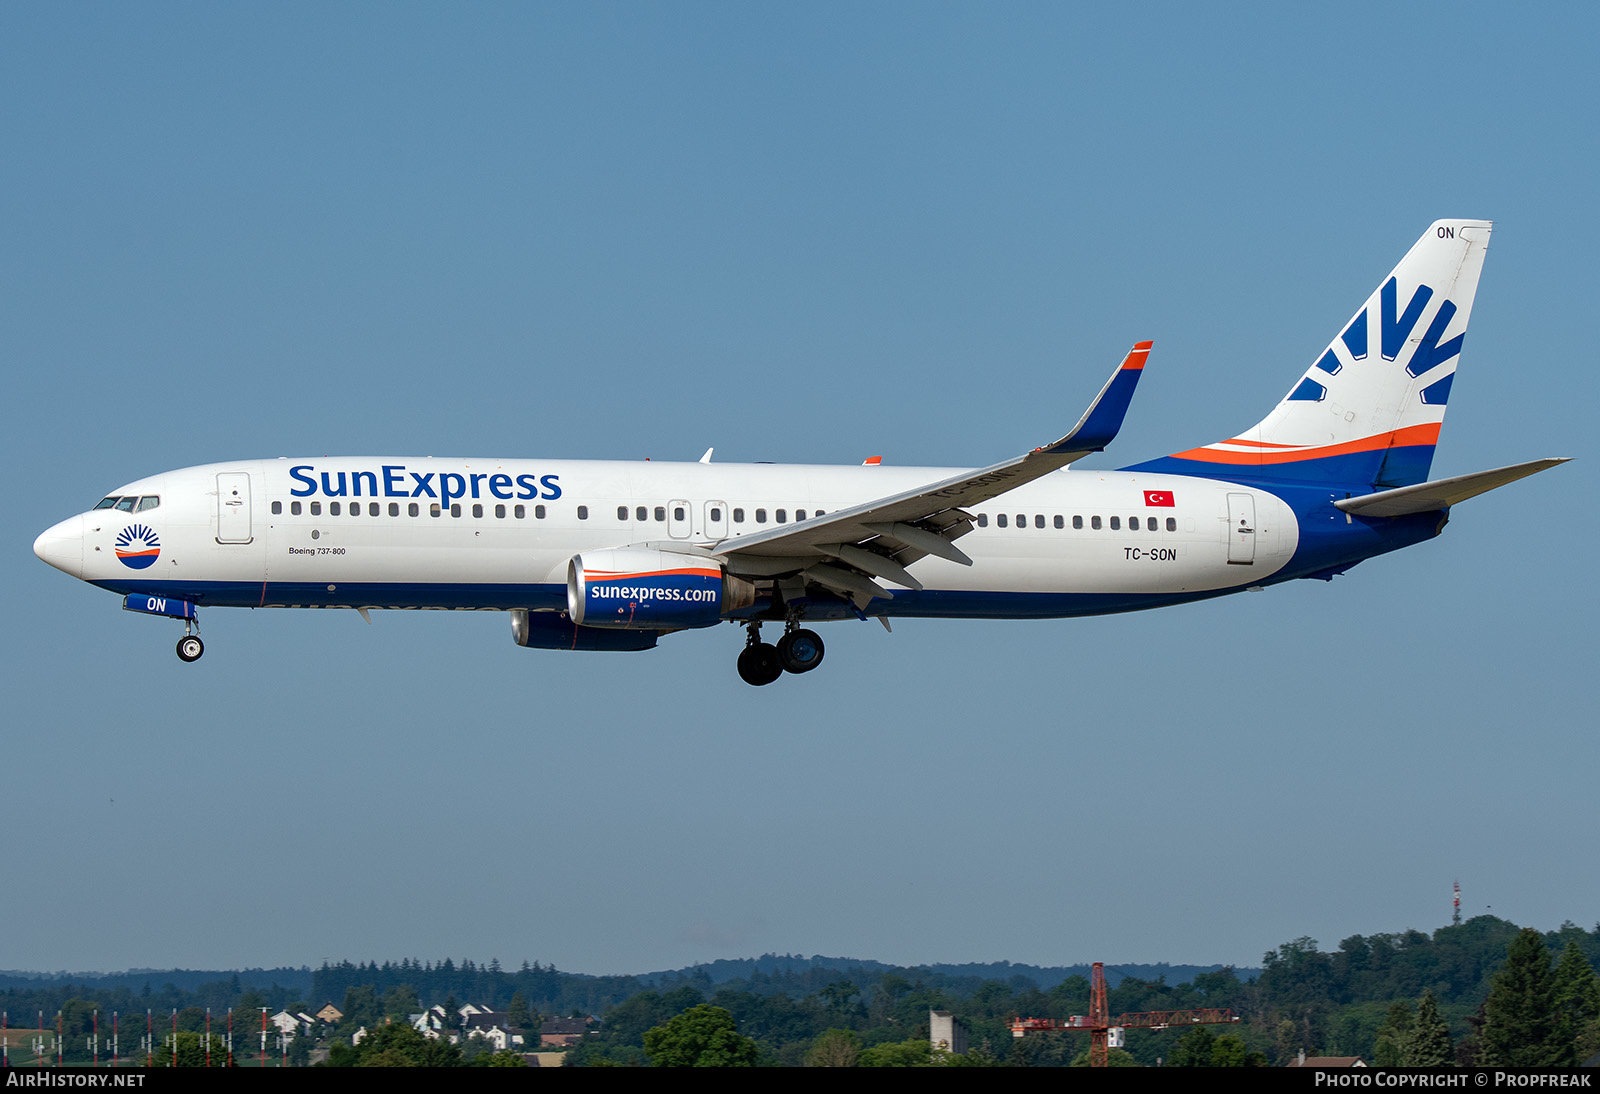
{"type": "Point", "coordinates": [1100, 423]}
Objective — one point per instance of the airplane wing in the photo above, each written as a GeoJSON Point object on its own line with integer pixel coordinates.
{"type": "Point", "coordinates": [1428, 497]}
{"type": "Point", "coordinates": [846, 549]}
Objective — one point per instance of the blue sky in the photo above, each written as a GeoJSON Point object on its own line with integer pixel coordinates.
{"type": "Point", "coordinates": [809, 233]}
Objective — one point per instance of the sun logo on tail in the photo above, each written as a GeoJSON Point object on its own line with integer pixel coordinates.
{"type": "Point", "coordinates": [137, 546]}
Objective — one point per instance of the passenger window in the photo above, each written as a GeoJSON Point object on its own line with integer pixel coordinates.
{"type": "Point", "coordinates": [294, 509]}
{"type": "Point", "coordinates": [761, 516]}
{"type": "Point", "coordinates": [394, 509]}
{"type": "Point", "coordinates": [1060, 522]}
{"type": "Point", "coordinates": [983, 520]}
{"type": "Point", "coordinates": [1038, 520]}
{"type": "Point", "coordinates": [716, 514]}
{"type": "Point", "coordinates": [277, 508]}
{"type": "Point", "coordinates": [316, 508]}
{"type": "Point", "coordinates": [149, 502]}
{"type": "Point", "coordinates": [782, 515]}
{"type": "Point", "coordinates": [738, 516]}
{"type": "Point", "coordinates": [1000, 520]}
{"type": "Point", "coordinates": [500, 512]}
{"type": "Point", "coordinates": [622, 512]}
{"type": "Point", "coordinates": [538, 512]}
{"type": "Point", "coordinates": [1094, 523]}
{"type": "Point", "coordinates": [1116, 523]}
{"type": "Point", "coordinates": [520, 512]}
{"type": "Point", "coordinates": [355, 509]}
{"type": "Point", "coordinates": [414, 509]}
{"type": "Point", "coordinates": [374, 509]}
{"type": "Point", "coordinates": [820, 513]}
{"type": "Point", "coordinates": [455, 509]}
{"type": "Point", "coordinates": [799, 514]}
{"type": "Point", "coordinates": [477, 510]}
{"type": "Point", "coordinates": [433, 509]}
{"type": "Point", "coordinates": [1172, 524]}
{"type": "Point", "coordinates": [107, 503]}
{"type": "Point", "coordinates": [677, 512]}
{"type": "Point", "coordinates": [583, 512]}
{"type": "Point", "coordinates": [1077, 522]}
{"type": "Point", "coordinates": [1133, 523]}
{"type": "Point", "coordinates": [1022, 520]}
{"type": "Point", "coordinates": [125, 505]}
{"type": "Point", "coordinates": [333, 508]}
{"type": "Point", "coordinates": [661, 512]}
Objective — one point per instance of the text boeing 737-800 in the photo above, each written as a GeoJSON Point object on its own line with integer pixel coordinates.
{"type": "Point", "coordinates": [611, 556]}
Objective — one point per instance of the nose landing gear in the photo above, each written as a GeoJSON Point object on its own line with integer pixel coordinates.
{"type": "Point", "coordinates": [189, 646]}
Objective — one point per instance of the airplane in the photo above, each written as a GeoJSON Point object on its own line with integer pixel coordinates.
{"type": "Point", "coordinates": [610, 556]}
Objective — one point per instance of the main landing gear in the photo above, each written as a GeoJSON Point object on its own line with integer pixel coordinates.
{"type": "Point", "coordinates": [798, 651]}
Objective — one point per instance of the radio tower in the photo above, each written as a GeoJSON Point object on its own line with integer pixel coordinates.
{"type": "Point", "coordinates": [1455, 918]}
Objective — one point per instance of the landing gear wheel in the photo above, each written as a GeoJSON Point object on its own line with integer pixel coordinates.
{"type": "Point", "coordinates": [800, 651]}
{"type": "Point", "coordinates": [190, 648]}
{"type": "Point", "coordinates": [758, 664]}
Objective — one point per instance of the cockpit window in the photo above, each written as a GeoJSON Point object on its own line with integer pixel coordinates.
{"type": "Point", "coordinates": [124, 505]}
{"type": "Point", "coordinates": [107, 503]}
{"type": "Point", "coordinates": [149, 501]}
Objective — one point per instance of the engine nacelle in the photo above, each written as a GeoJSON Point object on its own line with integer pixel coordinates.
{"type": "Point", "coordinates": [636, 588]}
{"type": "Point", "coordinates": [556, 631]}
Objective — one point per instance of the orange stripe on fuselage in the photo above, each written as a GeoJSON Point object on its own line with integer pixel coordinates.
{"type": "Point", "coordinates": [604, 575]}
{"type": "Point", "coordinates": [1399, 438]}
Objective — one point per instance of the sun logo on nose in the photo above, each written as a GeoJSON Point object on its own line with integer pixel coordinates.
{"type": "Point", "coordinates": [137, 546]}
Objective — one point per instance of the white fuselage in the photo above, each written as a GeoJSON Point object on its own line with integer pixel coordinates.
{"type": "Point", "coordinates": [498, 534]}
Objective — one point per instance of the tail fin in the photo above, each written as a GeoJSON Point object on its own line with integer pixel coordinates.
{"type": "Point", "coordinates": [1368, 411]}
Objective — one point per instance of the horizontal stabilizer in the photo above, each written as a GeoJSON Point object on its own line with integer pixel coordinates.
{"type": "Point", "coordinates": [1430, 497]}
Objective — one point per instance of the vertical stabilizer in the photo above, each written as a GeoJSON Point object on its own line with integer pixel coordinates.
{"type": "Point", "coordinates": [1368, 410]}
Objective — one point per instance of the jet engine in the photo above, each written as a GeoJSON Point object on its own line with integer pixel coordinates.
{"type": "Point", "coordinates": [636, 588]}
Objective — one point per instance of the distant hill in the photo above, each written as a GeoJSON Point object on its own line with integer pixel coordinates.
{"type": "Point", "coordinates": [296, 980]}
{"type": "Point", "coordinates": [721, 972]}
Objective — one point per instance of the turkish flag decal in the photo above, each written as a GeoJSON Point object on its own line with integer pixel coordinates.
{"type": "Point", "coordinates": [1159, 497]}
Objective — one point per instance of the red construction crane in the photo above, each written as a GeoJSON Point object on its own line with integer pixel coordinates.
{"type": "Point", "coordinates": [1099, 1023]}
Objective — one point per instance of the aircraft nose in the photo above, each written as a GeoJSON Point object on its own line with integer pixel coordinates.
{"type": "Point", "coordinates": [62, 546]}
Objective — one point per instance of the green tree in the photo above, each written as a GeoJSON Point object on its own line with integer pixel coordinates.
{"type": "Point", "coordinates": [1575, 994]}
{"type": "Point", "coordinates": [1387, 1051]}
{"type": "Point", "coordinates": [1193, 1049]}
{"type": "Point", "coordinates": [834, 1048]}
{"type": "Point", "coordinates": [520, 1018]}
{"type": "Point", "coordinates": [1115, 1057]}
{"type": "Point", "coordinates": [703, 1036]}
{"type": "Point", "coordinates": [914, 1052]}
{"type": "Point", "coordinates": [1519, 1026]}
{"type": "Point", "coordinates": [1231, 1051]}
{"type": "Point", "coordinates": [191, 1051]}
{"type": "Point", "coordinates": [400, 1044]}
{"type": "Point", "coordinates": [1428, 1043]}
